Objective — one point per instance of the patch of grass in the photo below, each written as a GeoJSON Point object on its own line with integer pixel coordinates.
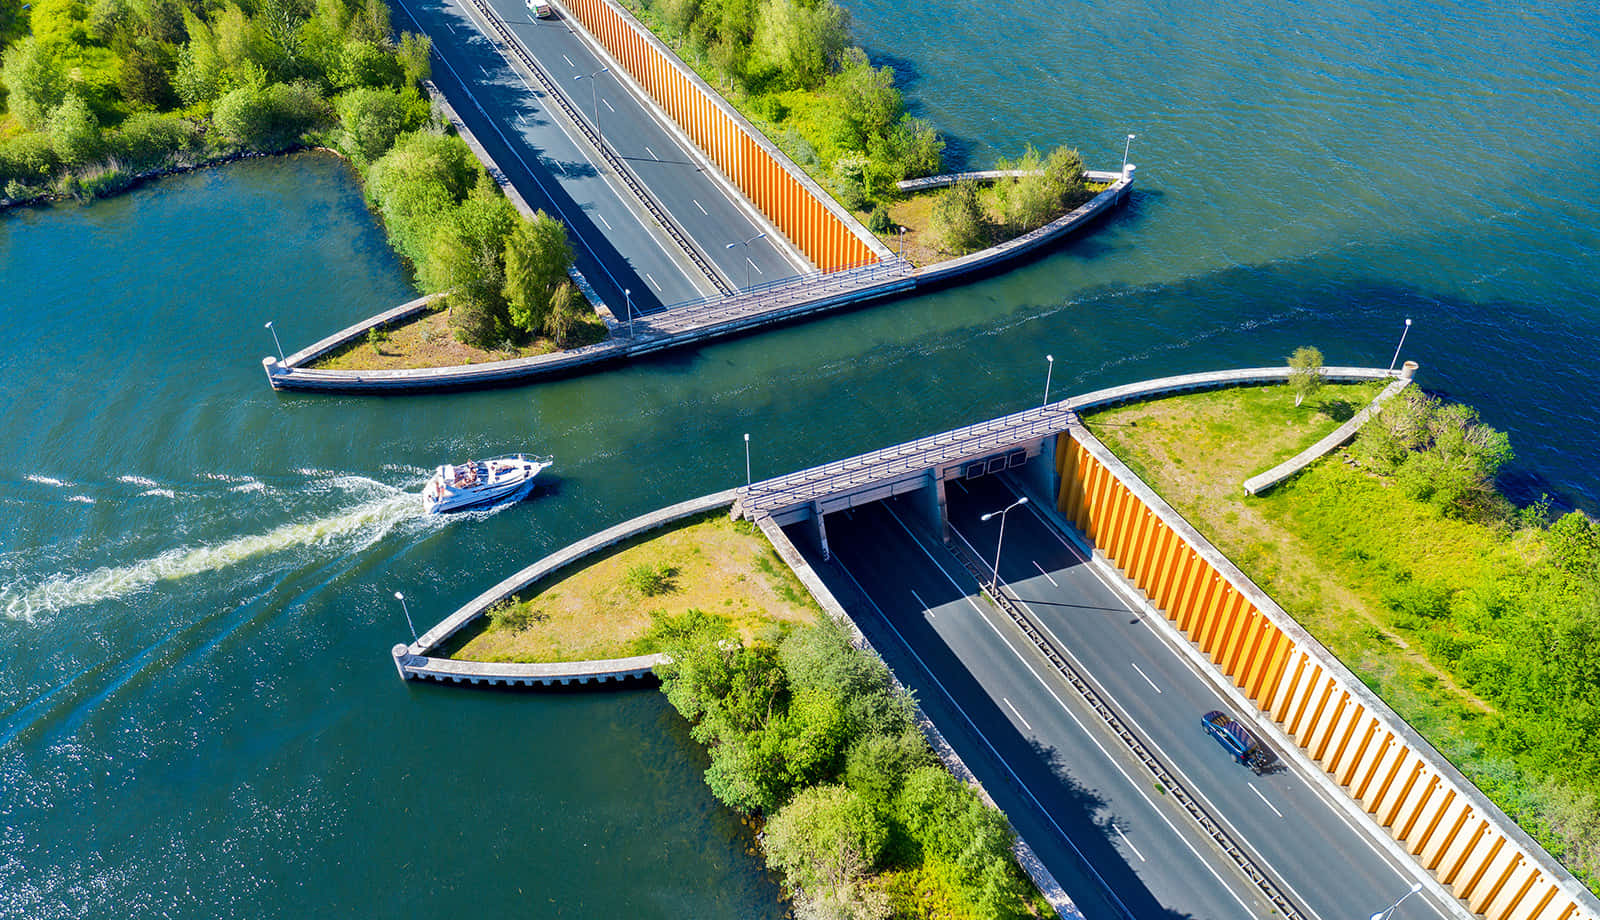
{"type": "Point", "coordinates": [426, 341]}
{"type": "Point", "coordinates": [1418, 605]}
{"type": "Point", "coordinates": [605, 609]}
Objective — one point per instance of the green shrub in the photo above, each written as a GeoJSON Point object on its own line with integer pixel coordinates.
{"type": "Point", "coordinates": [958, 224]}
{"type": "Point", "coordinates": [370, 120]}
{"type": "Point", "coordinates": [270, 118]}
{"type": "Point", "coordinates": [28, 159]}
{"type": "Point", "coordinates": [878, 221]}
{"type": "Point", "coordinates": [650, 579]}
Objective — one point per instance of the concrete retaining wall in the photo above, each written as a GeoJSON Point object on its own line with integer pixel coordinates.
{"type": "Point", "coordinates": [990, 175]}
{"type": "Point", "coordinates": [827, 299]}
{"type": "Point", "coordinates": [413, 661]}
{"type": "Point", "coordinates": [1261, 482]}
{"type": "Point", "coordinates": [1298, 694]}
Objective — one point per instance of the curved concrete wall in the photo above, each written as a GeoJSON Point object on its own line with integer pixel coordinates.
{"type": "Point", "coordinates": [716, 324]}
{"type": "Point", "coordinates": [1309, 702]}
{"type": "Point", "coordinates": [808, 216]}
{"type": "Point", "coordinates": [414, 663]}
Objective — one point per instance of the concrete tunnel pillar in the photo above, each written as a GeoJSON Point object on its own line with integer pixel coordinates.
{"type": "Point", "coordinates": [1039, 474]}
{"type": "Point", "coordinates": [932, 506]}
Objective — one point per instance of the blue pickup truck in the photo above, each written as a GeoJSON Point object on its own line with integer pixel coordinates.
{"type": "Point", "coordinates": [1244, 746]}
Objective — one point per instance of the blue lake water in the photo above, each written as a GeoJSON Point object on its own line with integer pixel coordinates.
{"type": "Point", "coordinates": [198, 716]}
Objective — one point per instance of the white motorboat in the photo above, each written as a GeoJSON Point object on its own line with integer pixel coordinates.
{"type": "Point", "coordinates": [456, 486]}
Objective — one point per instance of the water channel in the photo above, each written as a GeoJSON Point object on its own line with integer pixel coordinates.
{"type": "Point", "coordinates": [198, 716]}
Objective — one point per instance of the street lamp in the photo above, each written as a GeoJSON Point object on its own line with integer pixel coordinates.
{"type": "Point", "coordinates": [747, 459]}
{"type": "Point", "coordinates": [402, 599]}
{"type": "Point", "coordinates": [1049, 369]}
{"type": "Point", "coordinates": [994, 587]}
{"type": "Point", "coordinates": [1125, 148]}
{"type": "Point", "coordinates": [902, 252]}
{"type": "Point", "coordinates": [275, 341]}
{"type": "Point", "coordinates": [627, 296]}
{"type": "Point", "coordinates": [594, 103]}
{"type": "Point", "coordinates": [747, 262]}
{"type": "Point", "coordinates": [1401, 345]}
{"type": "Point", "coordinates": [1389, 911]}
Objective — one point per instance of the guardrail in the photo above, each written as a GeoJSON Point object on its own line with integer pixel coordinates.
{"type": "Point", "coordinates": [515, 47]}
{"type": "Point", "coordinates": [1130, 739]}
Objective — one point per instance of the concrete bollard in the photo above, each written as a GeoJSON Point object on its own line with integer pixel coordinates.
{"type": "Point", "coordinates": [401, 653]}
{"type": "Point", "coordinates": [1408, 370]}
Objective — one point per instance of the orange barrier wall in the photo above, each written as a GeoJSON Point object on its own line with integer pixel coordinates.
{"type": "Point", "coordinates": [794, 209]}
{"type": "Point", "coordinates": [1430, 814]}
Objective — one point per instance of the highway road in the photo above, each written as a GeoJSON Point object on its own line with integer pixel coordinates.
{"type": "Point", "coordinates": [1329, 867]}
{"type": "Point", "coordinates": [1051, 767]}
{"type": "Point", "coordinates": [553, 166]}
{"type": "Point", "coordinates": [996, 699]}
{"type": "Point", "coordinates": [614, 249]}
{"type": "Point", "coordinates": [711, 213]}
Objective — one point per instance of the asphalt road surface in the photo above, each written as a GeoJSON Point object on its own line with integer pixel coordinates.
{"type": "Point", "coordinates": [1064, 777]}
{"type": "Point", "coordinates": [634, 131]}
{"type": "Point", "coordinates": [554, 167]}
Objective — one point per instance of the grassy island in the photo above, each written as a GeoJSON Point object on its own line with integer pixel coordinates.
{"type": "Point", "coordinates": [609, 608]}
{"type": "Point", "coordinates": [1477, 621]}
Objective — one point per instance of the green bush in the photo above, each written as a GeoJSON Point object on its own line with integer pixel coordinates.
{"type": "Point", "coordinates": [878, 221]}
{"type": "Point", "coordinates": [270, 118]}
{"type": "Point", "coordinates": [650, 579]}
{"type": "Point", "coordinates": [958, 224]}
{"type": "Point", "coordinates": [28, 159]}
{"type": "Point", "coordinates": [370, 120]}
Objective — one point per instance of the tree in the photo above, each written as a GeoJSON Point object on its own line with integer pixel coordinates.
{"type": "Point", "coordinates": [954, 826]}
{"type": "Point", "coordinates": [465, 259]}
{"type": "Point", "coordinates": [416, 57]}
{"type": "Point", "coordinates": [1305, 373]}
{"type": "Point", "coordinates": [866, 103]}
{"type": "Point", "coordinates": [365, 63]}
{"type": "Point", "coordinates": [142, 76]}
{"type": "Point", "coordinates": [75, 131]}
{"type": "Point", "coordinates": [270, 118]}
{"type": "Point", "coordinates": [537, 257]}
{"type": "Point", "coordinates": [958, 222]}
{"type": "Point", "coordinates": [827, 837]}
{"type": "Point", "coordinates": [801, 42]}
{"type": "Point", "coordinates": [35, 82]}
{"type": "Point", "coordinates": [566, 307]}
{"type": "Point", "coordinates": [371, 120]}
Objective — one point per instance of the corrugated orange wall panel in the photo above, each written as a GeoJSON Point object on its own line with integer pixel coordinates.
{"type": "Point", "coordinates": [747, 165]}
{"type": "Point", "coordinates": [1391, 781]}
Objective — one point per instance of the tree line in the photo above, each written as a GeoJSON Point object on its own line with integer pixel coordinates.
{"type": "Point", "coordinates": [98, 93]}
{"type": "Point", "coordinates": [812, 735]}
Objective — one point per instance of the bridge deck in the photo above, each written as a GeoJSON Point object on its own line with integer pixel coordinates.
{"type": "Point", "coordinates": [772, 495]}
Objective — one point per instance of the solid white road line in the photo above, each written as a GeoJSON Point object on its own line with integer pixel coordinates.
{"type": "Point", "coordinates": [1106, 888]}
{"type": "Point", "coordinates": [1127, 841]}
{"type": "Point", "coordinates": [1017, 714]}
{"type": "Point", "coordinates": [1044, 573]}
{"type": "Point", "coordinates": [1264, 799]}
{"type": "Point", "coordinates": [1074, 717]}
{"type": "Point", "coordinates": [1146, 677]}
{"type": "Point", "coordinates": [923, 604]}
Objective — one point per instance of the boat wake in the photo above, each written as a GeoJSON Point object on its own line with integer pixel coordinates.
{"type": "Point", "coordinates": [354, 529]}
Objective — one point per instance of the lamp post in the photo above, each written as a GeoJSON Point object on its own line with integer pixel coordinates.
{"type": "Point", "coordinates": [1388, 912]}
{"type": "Point", "coordinates": [627, 296]}
{"type": "Point", "coordinates": [902, 252]}
{"type": "Point", "coordinates": [1401, 345]}
{"type": "Point", "coordinates": [1049, 370]}
{"type": "Point", "coordinates": [1125, 148]}
{"type": "Point", "coordinates": [276, 342]}
{"type": "Point", "coordinates": [402, 599]}
{"type": "Point", "coordinates": [747, 459]}
{"type": "Point", "coordinates": [747, 262]}
{"type": "Point", "coordinates": [594, 103]}
{"type": "Point", "coordinates": [994, 586]}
